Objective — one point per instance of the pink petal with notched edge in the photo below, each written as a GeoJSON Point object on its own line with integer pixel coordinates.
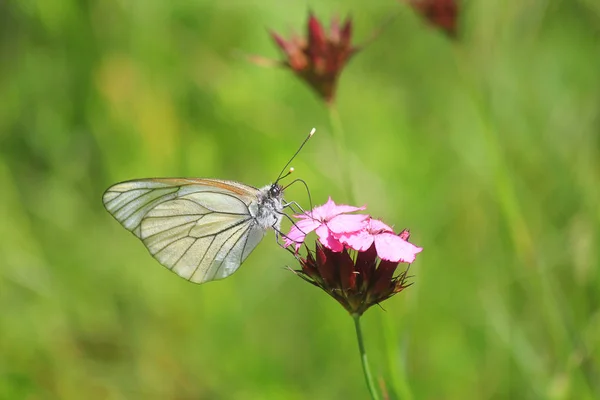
{"type": "Point", "coordinates": [299, 230]}
{"type": "Point", "coordinates": [347, 223]}
{"type": "Point", "coordinates": [307, 225]}
{"type": "Point", "coordinates": [294, 236]}
{"type": "Point", "coordinates": [330, 210]}
{"type": "Point", "coordinates": [391, 247]}
{"type": "Point", "coordinates": [376, 226]}
{"type": "Point", "coordinates": [359, 241]}
{"type": "Point", "coordinates": [328, 240]}
{"type": "Point", "coordinates": [319, 212]}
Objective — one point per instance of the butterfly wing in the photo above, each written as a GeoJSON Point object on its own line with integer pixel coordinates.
{"type": "Point", "coordinates": [201, 229]}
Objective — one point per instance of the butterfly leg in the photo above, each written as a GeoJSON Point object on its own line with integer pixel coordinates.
{"type": "Point", "coordinates": [279, 234]}
{"type": "Point", "coordinates": [293, 203]}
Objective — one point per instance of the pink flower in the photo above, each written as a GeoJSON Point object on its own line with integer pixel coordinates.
{"type": "Point", "coordinates": [389, 246]}
{"type": "Point", "coordinates": [356, 258]}
{"type": "Point", "coordinates": [336, 229]}
{"type": "Point", "coordinates": [328, 221]}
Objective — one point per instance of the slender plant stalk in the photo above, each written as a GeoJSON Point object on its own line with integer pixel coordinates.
{"type": "Point", "coordinates": [363, 358]}
{"type": "Point", "coordinates": [340, 141]}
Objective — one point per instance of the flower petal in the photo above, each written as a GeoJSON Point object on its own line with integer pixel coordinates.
{"type": "Point", "coordinates": [392, 248]}
{"type": "Point", "coordinates": [299, 230]}
{"type": "Point", "coordinates": [321, 212]}
{"type": "Point", "coordinates": [347, 223]}
{"type": "Point", "coordinates": [328, 240]}
{"type": "Point", "coordinates": [359, 241]}
{"type": "Point", "coordinates": [377, 226]}
{"type": "Point", "coordinates": [307, 225]}
{"type": "Point", "coordinates": [294, 237]}
{"type": "Point", "coordinates": [329, 210]}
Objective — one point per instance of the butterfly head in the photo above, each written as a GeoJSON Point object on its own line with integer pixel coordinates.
{"type": "Point", "coordinates": [268, 211]}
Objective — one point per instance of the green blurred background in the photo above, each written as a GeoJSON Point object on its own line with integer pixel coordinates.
{"type": "Point", "coordinates": [487, 148]}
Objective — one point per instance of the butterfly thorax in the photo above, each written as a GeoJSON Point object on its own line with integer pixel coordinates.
{"type": "Point", "coordinates": [268, 209]}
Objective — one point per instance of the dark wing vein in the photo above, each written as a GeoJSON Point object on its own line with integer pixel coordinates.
{"type": "Point", "coordinates": [184, 253]}
{"type": "Point", "coordinates": [230, 248]}
{"type": "Point", "coordinates": [221, 193]}
{"type": "Point", "coordinates": [202, 258]}
{"type": "Point", "coordinates": [145, 204]}
{"type": "Point", "coordinates": [245, 244]}
{"type": "Point", "coordinates": [176, 226]}
{"type": "Point", "coordinates": [226, 229]}
{"type": "Point", "coordinates": [168, 244]}
{"type": "Point", "coordinates": [210, 210]}
{"type": "Point", "coordinates": [145, 191]}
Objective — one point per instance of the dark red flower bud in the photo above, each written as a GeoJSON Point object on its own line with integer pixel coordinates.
{"type": "Point", "coordinates": [319, 58]}
{"type": "Point", "coordinates": [440, 13]}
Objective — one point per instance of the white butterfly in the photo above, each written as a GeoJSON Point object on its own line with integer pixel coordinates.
{"type": "Point", "coordinates": [201, 229]}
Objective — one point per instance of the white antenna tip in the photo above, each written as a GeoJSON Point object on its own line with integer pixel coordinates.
{"type": "Point", "coordinates": [291, 169]}
{"type": "Point", "coordinates": [312, 131]}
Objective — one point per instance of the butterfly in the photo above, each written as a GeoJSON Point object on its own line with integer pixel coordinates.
{"type": "Point", "coordinates": [201, 229]}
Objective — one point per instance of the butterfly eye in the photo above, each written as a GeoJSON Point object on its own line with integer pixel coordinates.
{"type": "Point", "coordinates": [275, 190]}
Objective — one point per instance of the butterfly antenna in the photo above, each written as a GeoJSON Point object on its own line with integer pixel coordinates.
{"type": "Point", "coordinates": [281, 174]}
{"type": "Point", "coordinates": [287, 174]}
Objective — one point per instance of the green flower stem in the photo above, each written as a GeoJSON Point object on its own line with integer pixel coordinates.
{"type": "Point", "coordinates": [339, 138]}
{"type": "Point", "coordinates": [363, 358]}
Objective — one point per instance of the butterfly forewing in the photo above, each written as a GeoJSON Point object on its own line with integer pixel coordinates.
{"type": "Point", "coordinates": [200, 229]}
